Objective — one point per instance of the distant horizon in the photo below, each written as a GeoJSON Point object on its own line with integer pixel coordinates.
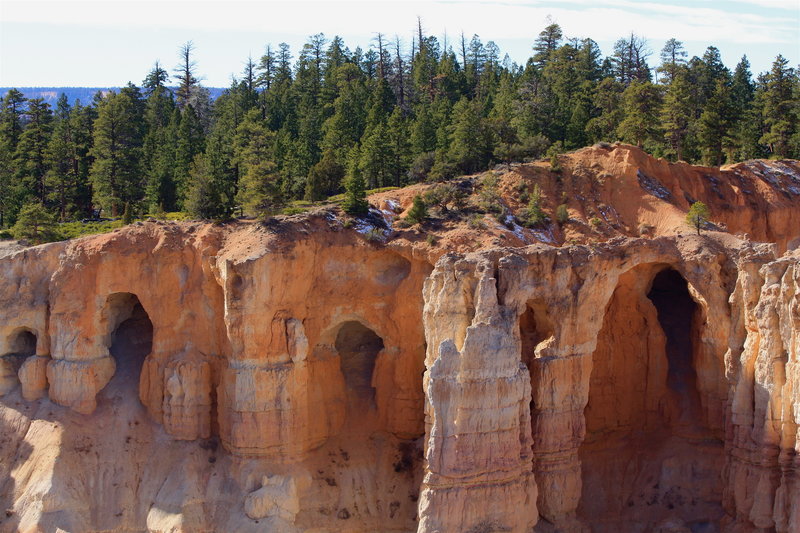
{"type": "Point", "coordinates": [96, 47]}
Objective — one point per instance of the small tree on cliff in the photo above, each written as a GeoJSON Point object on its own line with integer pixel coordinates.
{"type": "Point", "coordinates": [418, 212]}
{"type": "Point", "coordinates": [355, 195]}
{"type": "Point", "coordinates": [698, 215]}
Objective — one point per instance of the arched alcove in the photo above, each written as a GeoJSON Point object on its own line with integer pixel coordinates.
{"type": "Point", "coordinates": [358, 347]}
{"type": "Point", "coordinates": [649, 453]}
{"type": "Point", "coordinates": [130, 337]}
{"type": "Point", "coordinates": [22, 342]}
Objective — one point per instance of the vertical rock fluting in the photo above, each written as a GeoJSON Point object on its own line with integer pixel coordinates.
{"type": "Point", "coordinates": [762, 478]}
{"type": "Point", "coordinates": [478, 457]}
{"type": "Point", "coordinates": [628, 377]}
{"type": "Point", "coordinates": [560, 392]}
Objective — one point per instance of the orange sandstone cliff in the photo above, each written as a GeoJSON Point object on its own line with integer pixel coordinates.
{"type": "Point", "coordinates": [313, 374]}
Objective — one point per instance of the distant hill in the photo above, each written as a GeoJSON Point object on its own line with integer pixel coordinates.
{"type": "Point", "coordinates": [84, 94]}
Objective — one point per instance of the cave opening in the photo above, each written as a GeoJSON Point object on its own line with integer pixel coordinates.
{"type": "Point", "coordinates": [649, 453]}
{"type": "Point", "coordinates": [131, 339]}
{"type": "Point", "coordinates": [358, 347]}
{"type": "Point", "coordinates": [23, 343]}
{"type": "Point", "coordinates": [676, 311]}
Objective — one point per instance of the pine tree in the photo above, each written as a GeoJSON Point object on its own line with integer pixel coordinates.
{"type": "Point", "coordinates": [673, 57]}
{"type": "Point", "coordinates": [715, 124]}
{"type": "Point", "coordinates": [629, 61]}
{"type": "Point", "coordinates": [115, 173]}
{"type": "Point", "coordinates": [640, 103]}
{"type": "Point", "coordinates": [325, 178]}
{"type": "Point", "coordinates": [607, 112]}
{"type": "Point", "coordinates": [30, 157]}
{"type": "Point", "coordinates": [470, 145]}
{"type": "Point", "coordinates": [779, 107]}
{"type": "Point", "coordinates": [189, 141]}
{"type": "Point", "coordinates": [676, 114]}
{"type": "Point", "coordinates": [698, 216]}
{"type": "Point", "coordinates": [159, 147]}
{"type": "Point", "coordinates": [11, 110]}
{"type": "Point", "coordinates": [260, 190]}
{"type": "Point", "coordinates": [36, 224]}
{"type": "Point", "coordinates": [185, 73]}
{"type": "Point", "coordinates": [418, 212]}
{"type": "Point", "coordinates": [346, 126]}
{"type": "Point", "coordinates": [61, 178]}
{"type": "Point", "coordinates": [355, 198]}
{"type": "Point", "coordinates": [746, 128]}
{"type": "Point", "coordinates": [546, 43]}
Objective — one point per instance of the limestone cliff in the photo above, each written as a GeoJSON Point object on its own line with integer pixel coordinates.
{"type": "Point", "coordinates": [297, 376]}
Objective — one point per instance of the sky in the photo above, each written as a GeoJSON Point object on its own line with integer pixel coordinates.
{"type": "Point", "coordinates": [108, 43]}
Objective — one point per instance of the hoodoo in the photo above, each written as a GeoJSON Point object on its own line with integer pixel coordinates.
{"type": "Point", "coordinates": [319, 373]}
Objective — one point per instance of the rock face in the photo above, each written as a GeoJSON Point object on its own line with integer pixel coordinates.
{"type": "Point", "coordinates": [294, 376]}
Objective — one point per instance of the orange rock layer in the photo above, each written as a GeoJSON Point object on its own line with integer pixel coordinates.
{"type": "Point", "coordinates": [293, 376]}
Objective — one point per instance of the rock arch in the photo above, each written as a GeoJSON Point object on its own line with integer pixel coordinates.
{"type": "Point", "coordinates": [649, 453]}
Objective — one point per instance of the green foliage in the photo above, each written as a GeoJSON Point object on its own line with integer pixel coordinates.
{"type": "Point", "coordinates": [286, 129]}
{"type": "Point", "coordinates": [127, 214]}
{"type": "Point", "coordinates": [640, 104]}
{"type": "Point", "coordinates": [534, 216]}
{"type": "Point", "coordinates": [35, 224]}
{"type": "Point", "coordinates": [489, 196]}
{"type": "Point", "coordinates": [260, 191]}
{"type": "Point", "coordinates": [553, 153]}
{"type": "Point", "coordinates": [73, 230]}
{"type": "Point", "coordinates": [445, 196]}
{"type": "Point", "coordinates": [475, 221]}
{"type": "Point", "coordinates": [562, 214]}
{"type": "Point", "coordinates": [698, 216]}
{"type": "Point", "coordinates": [117, 149]}
{"type": "Point", "coordinates": [418, 212]}
{"type": "Point", "coordinates": [355, 196]}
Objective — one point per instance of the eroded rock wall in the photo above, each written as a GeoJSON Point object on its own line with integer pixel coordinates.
{"type": "Point", "coordinates": [303, 378]}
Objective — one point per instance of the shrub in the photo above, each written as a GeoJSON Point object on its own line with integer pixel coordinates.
{"type": "Point", "coordinates": [476, 222]}
{"type": "Point", "coordinates": [595, 222]}
{"type": "Point", "coordinates": [645, 229]}
{"type": "Point", "coordinates": [444, 196]}
{"type": "Point", "coordinates": [553, 153]}
{"type": "Point", "coordinates": [489, 197]}
{"type": "Point", "coordinates": [562, 215]}
{"type": "Point", "coordinates": [431, 239]}
{"type": "Point", "coordinates": [127, 215]}
{"type": "Point", "coordinates": [418, 212]}
{"type": "Point", "coordinates": [374, 235]}
{"type": "Point", "coordinates": [36, 224]}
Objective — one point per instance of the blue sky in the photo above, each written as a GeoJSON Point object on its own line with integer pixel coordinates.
{"type": "Point", "coordinates": [72, 43]}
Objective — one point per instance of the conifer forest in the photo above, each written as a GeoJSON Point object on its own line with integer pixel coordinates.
{"type": "Point", "coordinates": [306, 124]}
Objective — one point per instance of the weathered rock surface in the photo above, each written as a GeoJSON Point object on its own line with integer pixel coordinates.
{"type": "Point", "coordinates": [293, 376]}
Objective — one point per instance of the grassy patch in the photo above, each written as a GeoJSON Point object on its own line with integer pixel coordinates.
{"type": "Point", "coordinates": [73, 230]}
